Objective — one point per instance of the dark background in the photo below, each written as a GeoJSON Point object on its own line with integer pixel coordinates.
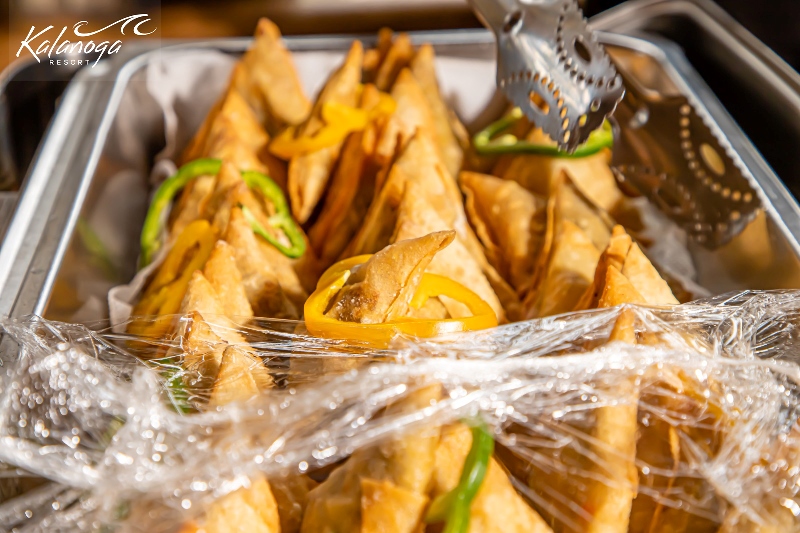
{"type": "Point", "coordinates": [775, 22]}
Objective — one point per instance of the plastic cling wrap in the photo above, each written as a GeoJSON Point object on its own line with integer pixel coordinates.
{"type": "Point", "coordinates": [621, 419]}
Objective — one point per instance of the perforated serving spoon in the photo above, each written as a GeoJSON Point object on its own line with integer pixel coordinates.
{"type": "Point", "coordinates": [551, 66]}
{"type": "Point", "coordinates": [665, 151]}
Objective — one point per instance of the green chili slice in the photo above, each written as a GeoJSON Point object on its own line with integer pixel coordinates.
{"type": "Point", "coordinates": [167, 191]}
{"type": "Point", "coordinates": [176, 389]}
{"type": "Point", "coordinates": [489, 140]}
{"type": "Point", "coordinates": [281, 220]}
{"type": "Point", "coordinates": [454, 506]}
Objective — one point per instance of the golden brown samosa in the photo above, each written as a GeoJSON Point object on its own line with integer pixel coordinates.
{"type": "Point", "coordinates": [418, 197]}
{"type": "Point", "coordinates": [625, 275]}
{"type": "Point", "coordinates": [444, 120]}
{"type": "Point", "coordinates": [273, 289]}
{"type": "Point", "coordinates": [241, 376]}
{"type": "Point", "coordinates": [592, 174]}
{"type": "Point", "coordinates": [644, 276]}
{"type": "Point", "coordinates": [510, 222]}
{"type": "Point", "coordinates": [267, 79]}
{"type": "Point", "coordinates": [381, 289]}
{"type": "Point", "coordinates": [566, 204]}
{"type": "Point", "coordinates": [567, 273]}
{"type": "Point", "coordinates": [416, 217]}
{"type": "Point", "coordinates": [224, 276]}
{"type": "Point", "coordinates": [252, 509]}
{"type": "Point", "coordinates": [232, 132]}
{"type": "Point", "coordinates": [309, 172]}
{"type": "Point", "coordinates": [497, 507]}
{"type": "Point", "coordinates": [412, 114]}
{"type": "Point", "coordinates": [374, 57]}
{"type": "Point", "coordinates": [614, 448]}
{"type": "Point", "coordinates": [213, 349]}
{"type": "Point", "coordinates": [396, 57]}
{"type": "Point", "coordinates": [394, 476]}
{"type": "Point", "coordinates": [350, 191]}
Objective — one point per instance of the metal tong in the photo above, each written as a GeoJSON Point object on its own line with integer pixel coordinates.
{"type": "Point", "coordinates": [551, 66]}
{"type": "Point", "coordinates": [665, 151]}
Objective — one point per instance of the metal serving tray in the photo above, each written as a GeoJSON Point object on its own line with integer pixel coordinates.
{"type": "Point", "coordinates": [759, 89]}
{"type": "Point", "coordinates": [42, 258]}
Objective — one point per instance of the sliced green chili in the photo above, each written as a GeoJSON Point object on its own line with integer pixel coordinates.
{"type": "Point", "coordinates": [282, 219]}
{"type": "Point", "coordinates": [454, 506]}
{"type": "Point", "coordinates": [176, 389]}
{"type": "Point", "coordinates": [163, 197]}
{"type": "Point", "coordinates": [167, 191]}
{"type": "Point", "coordinates": [489, 141]}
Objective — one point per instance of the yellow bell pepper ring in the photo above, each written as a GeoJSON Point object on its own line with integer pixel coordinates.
{"type": "Point", "coordinates": [379, 335]}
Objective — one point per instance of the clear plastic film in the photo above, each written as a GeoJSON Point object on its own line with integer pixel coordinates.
{"type": "Point", "coordinates": [621, 419]}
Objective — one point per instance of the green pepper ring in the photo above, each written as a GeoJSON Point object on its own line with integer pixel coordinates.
{"type": "Point", "coordinates": [166, 192]}
{"type": "Point", "coordinates": [486, 143]}
{"type": "Point", "coordinates": [454, 506]}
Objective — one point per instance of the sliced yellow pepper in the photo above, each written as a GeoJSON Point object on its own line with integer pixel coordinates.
{"type": "Point", "coordinates": [167, 289]}
{"type": "Point", "coordinates": [340, 120]}
{"type": "Point", "coordinates": [379, 335]}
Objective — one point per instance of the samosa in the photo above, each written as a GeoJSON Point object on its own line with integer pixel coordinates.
{"type": "Point", "coordinates": [592, 174]}
{"type": "Point", "coordinates": [351, 188]}
{"type": "Point", "coordinates": [446, 126]}
{"type": "Point", "coordinates": [497, 507]}
{"type": "Point", "coordinates": [510, 222]}
{"type": "Point", "coordinates": [266, 78]}
{"type": "Point", "coordinates": [309, 172]}
{"type": "Point", "coordinates": [381, 289]}
{"type": "Point", "coordinates": [382, 487]}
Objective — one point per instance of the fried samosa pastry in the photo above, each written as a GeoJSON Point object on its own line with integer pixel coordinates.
{"type": "Point", "coordinates": [381, 289]}
{"type": "Point", "coordinates": [191, 204]}
{"type": "Point", "coordinates": [592, 174]}
{"type": "Point", "coordinates": [207, 345]}
{"type": "Point", "coordinates": [693, 418]}
{"type": "Point", "coordinates": [614, 449]}
{"type": "Point", "coordinates": [444, 121]}
{"type": "Point", "coordinates": [252, 509]}
{"type": "Point", "coordinates": [224, 276]}
{"type": "Point", "coordinates": [241, 376]}
{"type": "Point", "coordinates": [567, 270]}
{"type": "Point", "coordinates": [497, 507]}
{"type": "Point", "coordinates": [625, 275]}
{"type": "Point", "coordinates": [417, 217]}
{"type": "Point", "coordinates": [351, 189]}
{"type": "Point", "coordinates": [272, 289]}
{"type": "Point", "coordinates": [309, 173]}
{"type": "Point", "coordinates": [419, 197]}
{"type": "Point", "coordinates": [397, 56]}
{"type": "Point", "coordinates": [232, 132]}
{"type": "Point", "coordinates": [268, 81]}
{"type": "Point", "coordinates": [374, 57]}
{"type": "Point", "coordinates": [645, 278]}
{"type": "Point", "coordinates": [567, 274]}
{"type": "Point", "coordinates": [380, 487]}
{"type": "Point", "coordinates": [412, 114]}
{"type": "Point", "coordinates": [509, 221]}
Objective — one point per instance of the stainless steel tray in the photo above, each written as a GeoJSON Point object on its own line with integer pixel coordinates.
{"type": "Point", "coordinates": [41, 257]}
{"type": "Point", "coordinates": [759, 89]}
